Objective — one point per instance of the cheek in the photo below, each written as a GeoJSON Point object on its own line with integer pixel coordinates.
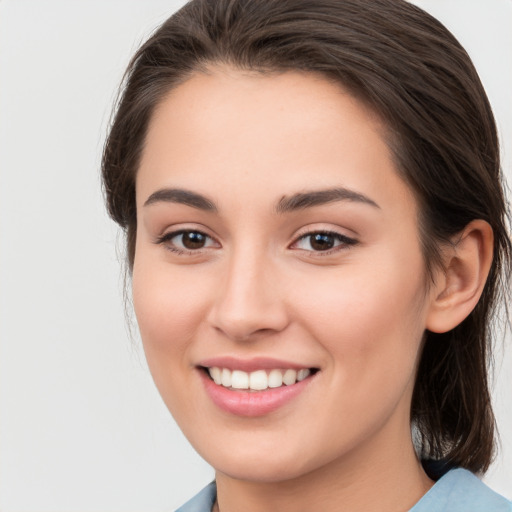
{"type": "Point", "coordinates": [169, 305]}
{"type": "Point", "coordinates": [371, 327]}
{"type": "Point", "coordinates": [369, 319]}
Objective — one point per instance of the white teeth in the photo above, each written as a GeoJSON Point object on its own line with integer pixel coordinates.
{"type": "Point", "coordinates": [257, 380]}
{"type": "Point", "coordinates": [239, 379]}
{"type": "Point", "coordinates": [216, 375]}
{"type": "Point", "coordinates": [289, 377]}
{"type": "Point", "coordinates": [226, 378]}
{"type": "Point", "coordinates": [302, 374]}
{"type": "Point", "coordinates": [275, 379]}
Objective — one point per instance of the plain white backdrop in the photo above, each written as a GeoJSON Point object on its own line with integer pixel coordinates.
{"type": "Point", "coordinates": [82, 427]}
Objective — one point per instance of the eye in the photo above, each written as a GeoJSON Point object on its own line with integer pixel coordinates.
{"type": "Point", "coordinates": [323, 241]}
{"type": "Point", "coordinates": [186, 240]}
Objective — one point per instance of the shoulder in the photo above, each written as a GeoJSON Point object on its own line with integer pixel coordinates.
{"type": "Point", "coordinates": [457, 491]}
{"type": "Point", "coordinates": [201, 502]}
{"type": "Point", "coordinates": [460, 490]}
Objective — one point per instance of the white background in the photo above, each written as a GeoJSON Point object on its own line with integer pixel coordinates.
{"type": "Point", "coordinates": [82, 427]}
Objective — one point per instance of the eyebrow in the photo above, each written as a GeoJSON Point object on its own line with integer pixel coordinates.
{"type": "Point", "coordinates": [181, 196]}
{"type": "Point", "coordinates": [299, 201]}
{"type": "Point", "coordinates": [304, 200]}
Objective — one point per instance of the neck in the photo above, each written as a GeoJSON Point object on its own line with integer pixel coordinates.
{"type": "Point", "coordinates": [384, 475]}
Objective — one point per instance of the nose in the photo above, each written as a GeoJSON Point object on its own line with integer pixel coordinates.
{"type": "Point", "coordinates": [249, 301]}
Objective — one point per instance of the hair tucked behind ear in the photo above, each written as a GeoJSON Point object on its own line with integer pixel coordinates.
{"type": "Point", "coordinates": [414, 74]}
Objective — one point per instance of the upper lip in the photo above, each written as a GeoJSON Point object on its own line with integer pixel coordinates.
{"type": "Point", "coordinates": [250, 365]}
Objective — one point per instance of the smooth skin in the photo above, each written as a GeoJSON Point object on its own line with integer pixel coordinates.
{"type": "Point", "coordinates": [249, 280]}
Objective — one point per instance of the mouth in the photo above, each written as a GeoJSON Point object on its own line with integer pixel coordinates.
{"type": "Point", "coordinates": [254, 388]}
{"type": "Point", "coordinates": [257, 380]}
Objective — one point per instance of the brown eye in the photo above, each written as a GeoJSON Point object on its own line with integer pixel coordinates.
{"type": "Point", "coordinates": [193, 240]}
{"type": "Point", "coordinates": [323, 241]}
{"type": "Point", "coordinates": [184, 241]}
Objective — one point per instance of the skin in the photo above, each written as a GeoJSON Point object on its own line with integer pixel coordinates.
{"type": "Point", "coordinates": [357, 313]}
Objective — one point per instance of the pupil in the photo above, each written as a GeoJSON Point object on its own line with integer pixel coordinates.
{"type": "Point", "coordinates": [322, 242]}
{"type": "Point", "coordinates": [193, 240]}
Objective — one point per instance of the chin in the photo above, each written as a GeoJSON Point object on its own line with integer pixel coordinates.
{"type": "Point", "coordinates": [269, 471]}
{"type": "Point", "coordinates": [261, 464]}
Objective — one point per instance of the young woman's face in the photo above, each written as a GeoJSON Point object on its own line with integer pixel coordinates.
{"type": "Point", "coordinates": [276, 241]}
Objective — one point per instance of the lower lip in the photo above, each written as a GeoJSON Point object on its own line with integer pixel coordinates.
{"type": "Point", "coordinates": [252, 403]}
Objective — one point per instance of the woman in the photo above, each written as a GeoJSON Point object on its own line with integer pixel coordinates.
{"type": "Point", "coordinates": [316, 234]}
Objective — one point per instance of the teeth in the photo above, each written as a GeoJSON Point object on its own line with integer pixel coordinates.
{"type": "Point", "coordinates": [275, 379]}
{"type": "Point", "coordinates": [257, 380]}
{"type": "Point", "coordinates": [225, 378]}
{"type": "Point", "coordinates": [216, 375]}
{"type": "Point", "coordinates": [239, 379]}
{"type": "Point", "coordinates": [302, 374]}
{"type": "Point", "coordinates": [289, 377]}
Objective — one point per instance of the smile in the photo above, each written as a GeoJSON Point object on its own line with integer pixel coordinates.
{"type": "Point", "coordinates": [254, 388]}
{"type": "Point", "coordinates": [258, 380]}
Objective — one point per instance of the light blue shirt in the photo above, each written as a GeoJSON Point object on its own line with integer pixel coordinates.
{"type": "Point", "coordinates": [458, 490]}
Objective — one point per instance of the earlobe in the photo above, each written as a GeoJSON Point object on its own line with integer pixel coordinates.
{"type": "Point", "coordinates": [459, 287]}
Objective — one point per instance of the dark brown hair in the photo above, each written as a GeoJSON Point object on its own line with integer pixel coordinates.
{"type": "Point", "coordinates": [413, 73]}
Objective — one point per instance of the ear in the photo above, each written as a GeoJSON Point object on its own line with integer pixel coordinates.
{"type": "Point", "coordinates": [459, 287]}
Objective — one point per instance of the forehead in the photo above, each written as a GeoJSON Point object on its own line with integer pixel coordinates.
{"type": "Point", "coordinates": [232, 131]}
{"type": "Point", "coordinates": [245, 105]}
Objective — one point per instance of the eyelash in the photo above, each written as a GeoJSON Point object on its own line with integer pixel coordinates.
{"type": "Point", "coordinates": [167, 237]}
{"type": "Point", "coordinates": [345, 242]}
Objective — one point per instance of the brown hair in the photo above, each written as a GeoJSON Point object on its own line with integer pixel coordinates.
{"type": "Point", "coordinates": [412, 72]}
